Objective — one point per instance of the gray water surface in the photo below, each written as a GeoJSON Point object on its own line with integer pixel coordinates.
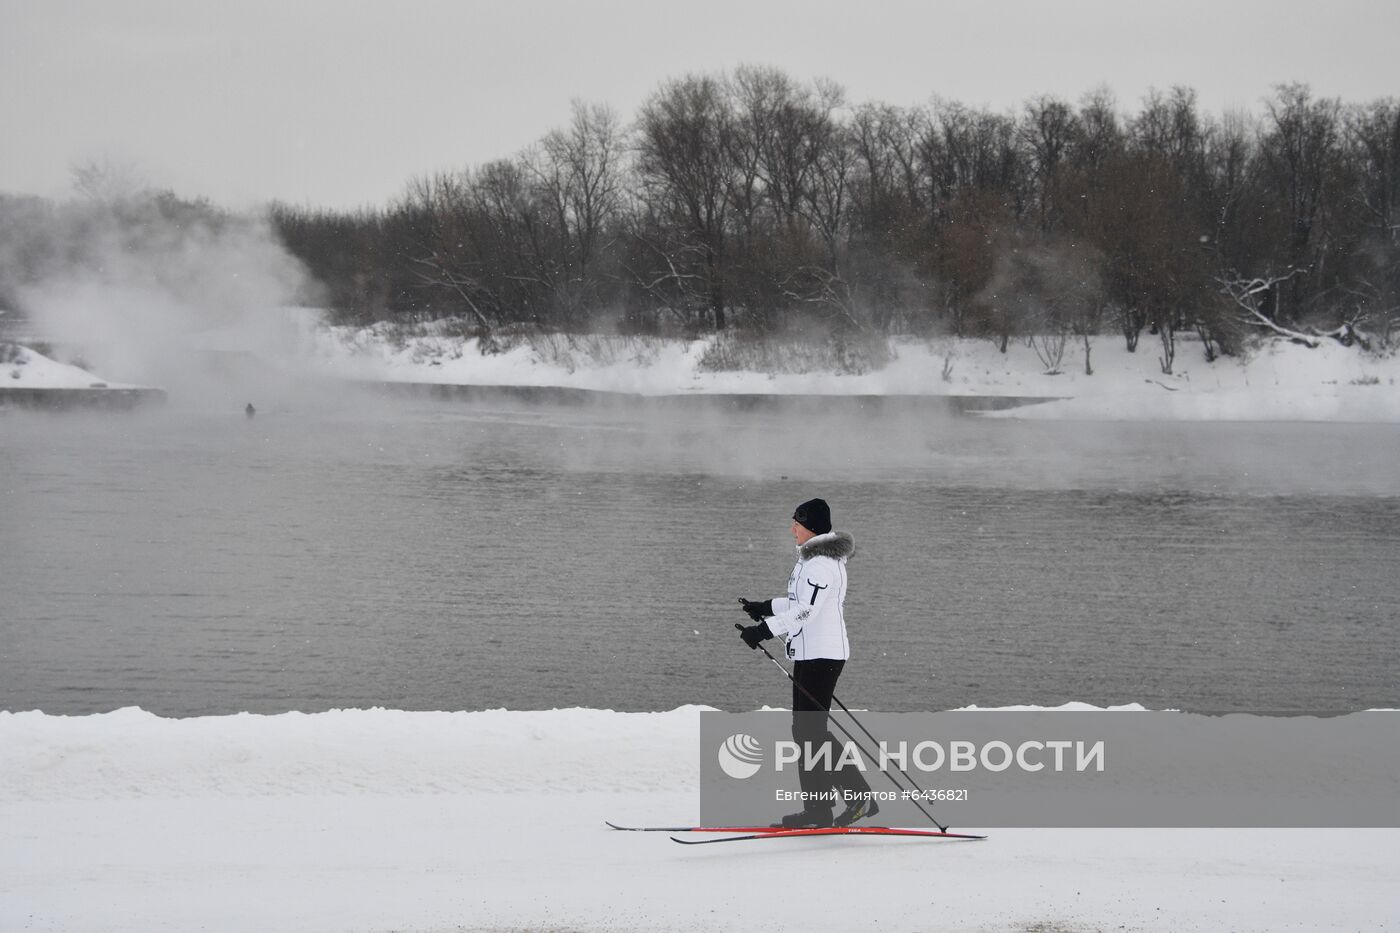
{"type": "Point", "coordinates": [425, 554]}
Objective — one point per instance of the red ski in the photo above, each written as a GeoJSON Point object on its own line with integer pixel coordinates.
{"type": "Point", "coordinates": [778, 833]}
{"type": "Point", "coordinates": [774, 832]}
{"type": "Point", "coordinates": [696, 829]}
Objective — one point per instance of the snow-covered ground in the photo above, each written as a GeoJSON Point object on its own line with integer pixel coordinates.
{"type": "Point", "coordinates": [25, 369]}
{"type": "Point", "coordinates": [1274, 381]}
{"type": "Point", "coordinates": [382, 820]}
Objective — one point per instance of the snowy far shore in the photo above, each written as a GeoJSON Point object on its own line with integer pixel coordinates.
{"type": "Point", "coordinates": [385, 820]}
{"type": "Point", "coordinates": [1275, 381]}
{"type": "Point", "coordinates": [1272, 381]}
{"type": "Point", "coordinates": [23, 368]}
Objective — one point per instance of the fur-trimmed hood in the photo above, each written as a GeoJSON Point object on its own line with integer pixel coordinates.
{"type": "Point", "coordinates": [835, 544]}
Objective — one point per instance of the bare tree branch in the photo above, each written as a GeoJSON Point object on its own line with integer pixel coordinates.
{"type": "Point", "coordinates": [1245, 293]}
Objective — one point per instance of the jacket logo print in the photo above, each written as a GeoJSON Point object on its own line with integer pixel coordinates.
{"type": "Point", "coordinates": [815, 590]}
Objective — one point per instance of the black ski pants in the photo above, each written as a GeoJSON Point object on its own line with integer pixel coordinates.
{"type": "Point", "coordinates": [813, 686]}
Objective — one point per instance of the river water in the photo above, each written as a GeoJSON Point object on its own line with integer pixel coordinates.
{"type": "Point", "coordinates": [356, 551]}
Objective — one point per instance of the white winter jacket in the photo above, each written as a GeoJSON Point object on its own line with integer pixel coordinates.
{"type": "Point", "coordinates": [811, 617]}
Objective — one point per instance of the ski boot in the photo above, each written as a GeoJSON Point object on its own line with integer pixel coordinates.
{"type": "Point", "coordinates": [861, 809]}
{"type": "Point", "coordinates": [806, 819]}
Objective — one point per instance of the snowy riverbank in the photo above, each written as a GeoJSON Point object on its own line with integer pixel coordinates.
{"type": "Point", "coordinates": [378, 820]}
{"type": "Point", "coordinates": [1275, 381]}
{"type": "Point", "coordinates": [29, 379]}
{"type": "Point", "coordinates": [23, 368]}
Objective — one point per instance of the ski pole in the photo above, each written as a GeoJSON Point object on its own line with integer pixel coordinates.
{"type": "Point", "coordinates": [854, 741]}
{"type": "Point", "coordinates": [837, 700]}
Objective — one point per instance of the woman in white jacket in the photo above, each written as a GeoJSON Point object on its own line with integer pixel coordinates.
{"type": "Point", "coordinates": [811, 620]}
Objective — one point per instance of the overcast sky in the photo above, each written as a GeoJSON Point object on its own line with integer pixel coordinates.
{"type": "Point", "coordinates": [339, 103]}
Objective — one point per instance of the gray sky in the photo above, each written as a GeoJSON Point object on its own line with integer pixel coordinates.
{"type": "Point", "coordinates": [340, 102]}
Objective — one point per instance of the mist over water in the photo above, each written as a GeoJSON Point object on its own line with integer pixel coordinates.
{"type": "Point", "coordinates": [345, 549]}
{"type": "Point", "coordinates": [144, 288]}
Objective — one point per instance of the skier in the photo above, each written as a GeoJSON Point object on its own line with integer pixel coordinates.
{"type": "Point", "coordinates": [811, 620]}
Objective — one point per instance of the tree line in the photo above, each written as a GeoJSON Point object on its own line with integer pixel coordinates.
{"type": "Point", "coordinates": [754, 203]}
{"type": "Point", "coordinates": [750, 200]}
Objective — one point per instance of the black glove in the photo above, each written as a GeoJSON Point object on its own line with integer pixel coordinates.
{"type": "Point", "coordinates": [755, 634]}
{"type": "Point", "coordinates": [758, 611]}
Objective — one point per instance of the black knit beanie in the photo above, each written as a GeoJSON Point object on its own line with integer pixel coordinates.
{"type": "Point", "coordinates": [814, 515]}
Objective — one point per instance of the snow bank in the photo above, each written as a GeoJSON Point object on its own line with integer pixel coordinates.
{"type": "Point", "coordinates": [26, 369]}
{"type": "Point", "coordinates": [1277, 381]}
{"type": "Point", "coordinates": [131, 753]}
{"type": "Point", "coordinates": [379, 820]}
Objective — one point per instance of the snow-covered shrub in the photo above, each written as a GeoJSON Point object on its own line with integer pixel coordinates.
{"type": "Point", "coordinates": [848, 353]}
{"type": "Point", "coordinates": [1050, 348]}
{"type": "Point", "coordinates": [573, 350]}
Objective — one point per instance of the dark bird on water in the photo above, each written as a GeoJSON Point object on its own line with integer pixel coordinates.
{"type": "Point", "coordinates": [250, 411]}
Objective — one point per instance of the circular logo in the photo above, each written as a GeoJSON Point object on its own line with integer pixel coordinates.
{"type": "Point", "coordinates": [740, 756]}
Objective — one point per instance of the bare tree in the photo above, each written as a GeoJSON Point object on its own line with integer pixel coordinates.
{"type": "Point", "coordinates": [1048, 130]}
{"type": "Point", "coordinates": [1169, 127]}
{"type": "Point", "coordinates": [979, 229]}
{"type": "Point", "coordinates": [975, 149]}
{"type": "Point", "coordinates": [888, 215]}
{"type": "Point", "coordinates": [107, 180]}
{"type": "Point", "coordinates": [1100, 135]}
{"type": "Point", "coordinates": [664, 267]}
{"type": "Point", "coordinates": [447, 256]}
{"type": "Point", "coordinates": [687, 170]}
{"type": "Point", "coordinates": [1229, 177]}
{"type": "Point", "coordinates": [1297, 152]}
{"type": "Point", "coordinates": [876, 133]}
{"type": "Point", "coordinates": [1373, 132]}
{"type": "Point", "coordinates": [1078, 299]}
{"type": "Point", "coordinates": [1252, 297]}
{"type": "Point", "coordinates": [1372, 297]}
{"type": "Point", "coordinates": [577, 174]}
{"type": "Point", "coordinates": [786, 128]}
{"type": "Point", "coordinates": [783, 133]}
{"type": "Point", "coordinates": [826, 198]}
